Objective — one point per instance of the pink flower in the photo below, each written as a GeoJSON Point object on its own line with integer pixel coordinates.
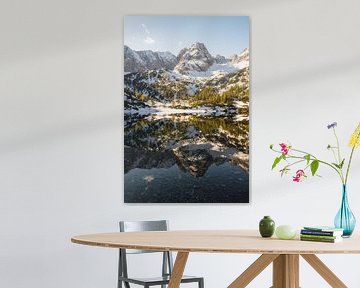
{"type": "Point", "coordinates": [300, 174]}
{"type": "Point", "coordinates": [284, 148]}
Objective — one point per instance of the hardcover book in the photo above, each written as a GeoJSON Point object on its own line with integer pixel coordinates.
{"type": "Point", "coordinates": [325, 240]}
{"type": "Point", "coordinates": [321, 233]}
{"type": "Point", "coordinates": [323, 228]}
{"type": "Point", "coordinates": [320, 237]}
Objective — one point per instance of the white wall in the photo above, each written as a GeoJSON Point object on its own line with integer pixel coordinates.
{"type": "Point", "coordinates": [61, 133]}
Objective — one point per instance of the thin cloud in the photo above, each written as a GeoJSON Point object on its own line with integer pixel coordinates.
{"type": "Point", "coordinates": [149, 40]}
{"type": "Point", "coordinates": [147, 31]}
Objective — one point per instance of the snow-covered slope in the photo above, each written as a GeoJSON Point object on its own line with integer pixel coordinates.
{"type": "Point", "coordinates": [219, 59]}
{"type": "Point", "coordinates": [241, 60]}
{"type": "Point", "coordinates": [136, 61]}
{"type": "Point", "coordinates": [194, 59]}
{"type": "Point", "coordinates": [191, 79]}
{"type": "Point", "coordinates": [167, 86]}
{"type": "Point", "coordinates": [214, 70]}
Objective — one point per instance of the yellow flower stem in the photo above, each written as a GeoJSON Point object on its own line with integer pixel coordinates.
{"type": "Point", "coordinates": [348, 167]}
{"type": "Point", "coordinates": [350, 159]}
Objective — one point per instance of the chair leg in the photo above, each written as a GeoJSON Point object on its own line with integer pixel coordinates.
{"type": "Point", "coordinates": [120, 273]}
{"type": "Point", "coordinates": [126, 284]}
{"type": "Point", "coordinates": [201, 283]}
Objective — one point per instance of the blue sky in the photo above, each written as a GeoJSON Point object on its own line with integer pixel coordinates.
{"type": "Point", "coordinates": [224, 35]}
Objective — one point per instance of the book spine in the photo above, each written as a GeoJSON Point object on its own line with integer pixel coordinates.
{"type": "Point", "coordinates": [319, 233]}
{"type": "Point", "coordinates": [318, 236]}
{"type": "Point", "coordinates": [318, 239]}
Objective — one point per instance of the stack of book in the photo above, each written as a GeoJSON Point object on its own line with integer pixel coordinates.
{"type": "Point", "coordinates": [321, 234]}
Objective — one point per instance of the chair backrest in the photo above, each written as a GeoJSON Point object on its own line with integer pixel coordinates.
{"type": "Point", "coordinates": [134, 226]}
{"type": "Point", "coordinates": [137, 226]}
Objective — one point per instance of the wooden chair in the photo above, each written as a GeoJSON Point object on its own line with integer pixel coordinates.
{"type": "Point", "coordinates": [167, 262]}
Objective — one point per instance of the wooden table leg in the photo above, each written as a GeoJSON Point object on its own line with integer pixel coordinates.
{"type": "Point", "coordinates": [293, 264]}
{"type": "Point", "coordinates": [178, 270]}
{"type": "Point", "coordinates": [286, 271]}
{"type": "Point", "coordinates": [253, 270]}
{"type": "Point", "coordinates": [324, 271]}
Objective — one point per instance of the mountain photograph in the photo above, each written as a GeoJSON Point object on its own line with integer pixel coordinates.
{"type": "Point", "coordinates": [186, 109]}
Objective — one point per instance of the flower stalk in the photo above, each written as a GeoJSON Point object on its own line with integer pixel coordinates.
{"type": "Point", "coordinates": [288, 153]}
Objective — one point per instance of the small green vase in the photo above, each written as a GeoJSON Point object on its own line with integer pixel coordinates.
{"type": "Point", "coordinates": [267, 227]}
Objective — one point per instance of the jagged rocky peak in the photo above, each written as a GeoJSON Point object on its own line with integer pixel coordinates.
{"type": "Point", "coordinates": [195, 58]}
{"type": "Point", "coordinates": [136, 61]}
{"type": "Point", "coordinates": [242, 58]}
{"type": "Point", "coordinates": [194, 161]}
{"type": "Point", "coordinates": [181, 53]}
{"type": "Point", "coordinates": [132, 61]}
{"type": "Point", "coordinates": [140, 158]}
{"type": "Point", "coordinates": [219, 59]}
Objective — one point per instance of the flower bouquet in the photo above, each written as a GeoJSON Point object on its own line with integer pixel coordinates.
{"type": "Point", "coordinates": [292, 157]}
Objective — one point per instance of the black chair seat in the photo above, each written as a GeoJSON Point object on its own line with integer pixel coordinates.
{"type": "Point", "coordinates": [158, 280]}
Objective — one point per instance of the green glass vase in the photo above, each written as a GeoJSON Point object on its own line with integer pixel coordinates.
{"type": "Point", "coordinates": [266, 227]}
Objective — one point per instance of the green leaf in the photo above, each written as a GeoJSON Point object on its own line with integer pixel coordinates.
{"type": "Point", "coordinates": [307, 157]}
{"type": "Point", "coordinates": [276, 162]}
{"type": "Point", "coordinates": [336, 165]}
{"type": "Point", "coordinates": [342, 163]}
{"type": "Point", "coordinates": [284, 170]}
{"type": "Point", "coordinates": [314, 166]}
{"type": "Point", "coordinates": [271, 146]}
{"type": "Point", "coordinates": [339, 166]}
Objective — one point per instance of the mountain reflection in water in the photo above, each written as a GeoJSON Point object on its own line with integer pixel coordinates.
{"type": "Point", "coordinates": [186, 159]}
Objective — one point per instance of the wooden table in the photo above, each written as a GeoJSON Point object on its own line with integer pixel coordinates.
{"type": "Point", "coordinates": [284, 254]}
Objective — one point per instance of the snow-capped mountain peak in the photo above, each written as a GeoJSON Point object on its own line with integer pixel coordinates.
{"type": "Point", "coordinates": [195, 61]}
{"type": "Point", "coordinates": [135, 61]}
{"type": "Point", "coordinates": [241, 60]}
{"type": "Point", "coordinates": [220, 59]}
{"type": "Point", "coordinates": [196, 58]}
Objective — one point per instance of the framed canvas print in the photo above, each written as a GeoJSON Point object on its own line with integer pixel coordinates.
{"type": "Point", "coordinates": [186, 109]}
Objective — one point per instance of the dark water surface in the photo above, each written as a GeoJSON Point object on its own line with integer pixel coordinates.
{"type": "Point", "coordinates": [186, 159]}
{"type": "Point", "coordinates": [172, 185]}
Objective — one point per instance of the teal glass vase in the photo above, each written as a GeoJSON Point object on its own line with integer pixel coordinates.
{"type": "Point", "coordinates": [345, 219]}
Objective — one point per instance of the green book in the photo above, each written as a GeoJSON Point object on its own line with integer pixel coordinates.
{"type": "Point", "coordinates": [325, 240]}
{"type": "Point", "coordinates": [319, 236]}
{"type": "Point", "coordinates": [321, 240]}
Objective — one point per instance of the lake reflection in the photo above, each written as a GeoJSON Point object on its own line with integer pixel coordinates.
{"type": "Point", "coordinates": [186, 159]}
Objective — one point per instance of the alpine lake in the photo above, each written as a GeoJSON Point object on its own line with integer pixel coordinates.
{"type": "Point", "coordinates": [186, 157]}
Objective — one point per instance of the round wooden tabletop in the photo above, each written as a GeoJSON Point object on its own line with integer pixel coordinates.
{"type": "Point", "coordinates": [220, 241]}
